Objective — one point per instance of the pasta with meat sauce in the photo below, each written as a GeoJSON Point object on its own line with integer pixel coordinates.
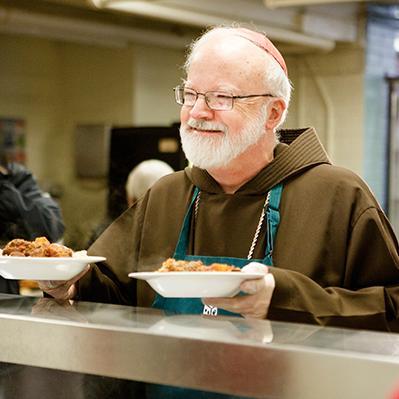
{"type": "Point", "coordinates": [173, 265]}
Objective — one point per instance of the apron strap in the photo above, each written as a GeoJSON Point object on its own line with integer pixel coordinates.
{"type": "Point", "coordinates": [273, 221]}
{"type": "Point", "coordinates": [182, 243]}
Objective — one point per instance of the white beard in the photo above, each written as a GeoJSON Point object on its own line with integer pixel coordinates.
{"type": "Point", "coordinates": [207, 152]}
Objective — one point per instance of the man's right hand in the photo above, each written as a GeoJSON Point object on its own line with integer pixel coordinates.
{"type": "Point", "coordinates": [64, 289]}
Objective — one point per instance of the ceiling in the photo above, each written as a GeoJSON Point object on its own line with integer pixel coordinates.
{"type": "Point", "coordinates": [295, 25]}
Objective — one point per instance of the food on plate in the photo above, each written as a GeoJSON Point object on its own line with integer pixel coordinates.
{"type": "Point", "coordinates": [16, 247]}
{"type": "Point", "coordinates": [40, 247]}
{"type": "Point", "coordinates": [173, 265]}
{"type": "Point", "coordinates": [58, 250]}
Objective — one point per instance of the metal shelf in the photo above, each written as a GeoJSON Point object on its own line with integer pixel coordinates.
{"type": "Point", "coordinates": [252, 358]}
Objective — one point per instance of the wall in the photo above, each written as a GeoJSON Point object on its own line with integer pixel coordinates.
{"type": "Point", "coordinates": [157, 71]}
{"type": "Point", "coordinates": [29, 90]}
{"type": "Point", "coordinates": [54, 86]}
{"type": "Point", "coordinates": [328, 94]}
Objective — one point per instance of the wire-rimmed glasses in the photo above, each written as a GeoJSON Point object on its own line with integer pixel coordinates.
{"type": "Point", "coordinates": [216, 100]}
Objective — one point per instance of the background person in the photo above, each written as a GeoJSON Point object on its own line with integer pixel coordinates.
{"type": "Point", "coordinates": [139, 180]}
{"type": "Point", "coordinates": [143, 176]}
{"type": "Point", "coordinates": [327, 251]}
{"type": "Point", "coordinates": [25, 212]}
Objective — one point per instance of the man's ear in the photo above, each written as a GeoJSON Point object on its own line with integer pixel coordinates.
{"type": "Point", "coordinates": [276, 109]}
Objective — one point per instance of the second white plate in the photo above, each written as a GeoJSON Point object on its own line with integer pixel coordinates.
{"type": "Point", "coordinates": [195, 284]}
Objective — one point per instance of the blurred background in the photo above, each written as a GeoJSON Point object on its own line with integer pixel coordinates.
{"type": "Point", "coordinates": [86, 88]}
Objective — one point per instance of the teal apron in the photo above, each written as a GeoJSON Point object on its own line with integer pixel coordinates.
{"type": "Point", "coordinates": [195, 305]}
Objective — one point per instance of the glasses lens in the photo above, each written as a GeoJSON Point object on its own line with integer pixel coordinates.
{"type": "Point", "coordinates": [185, 96]}
{"type": "Point", "coordinates": [189, 97]}
{"type": "Point", "coordinates": [219, 101]}
{"type": "Point", "coordinates": [179, 95]}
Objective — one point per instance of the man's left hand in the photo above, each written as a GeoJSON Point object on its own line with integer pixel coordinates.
{"type": "Point", "coordinates": [255, 304]}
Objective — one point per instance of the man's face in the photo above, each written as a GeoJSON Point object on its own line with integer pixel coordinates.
{"type": "Point", "coordinates": [211, 144]}
{"type": "Point", "coordinates": [211, 138]}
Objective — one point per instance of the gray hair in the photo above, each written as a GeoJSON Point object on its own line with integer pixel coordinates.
{"type": "Point", "coordinates": [144, 175]}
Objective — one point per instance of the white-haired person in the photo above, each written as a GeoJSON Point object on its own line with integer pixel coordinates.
{"type": "Point", "coordinates": [254, 193]}
{"type": "Point", "coordinates": [143, 176]}
{"type": "Point", "coordinates": [139, 180]}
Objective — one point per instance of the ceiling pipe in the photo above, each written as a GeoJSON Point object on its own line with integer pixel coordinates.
{"type": "Point", "coordinates": [171, 14]}
{"type": "Point", "coordinates": [83, 31]}
{"type": "Point", "coordinates": [289, 3]}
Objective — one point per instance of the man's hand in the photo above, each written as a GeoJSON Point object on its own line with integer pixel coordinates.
{"type": "Point", "coordinates": [64, 289]}
{"type": "Point", "coordinates": [259, 294]}
{"type": "Point", "coordinates": [3, 170]}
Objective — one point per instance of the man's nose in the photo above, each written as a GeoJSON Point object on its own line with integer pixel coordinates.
{"type": "Point", "coordinates": [200, 109]}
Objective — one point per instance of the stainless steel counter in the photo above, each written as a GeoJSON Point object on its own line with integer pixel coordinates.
{"type": "Point", "coordinates": [259, 359]}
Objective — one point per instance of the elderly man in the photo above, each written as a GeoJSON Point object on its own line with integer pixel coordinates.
{"type": "Point", "coordinates": [327, 251]}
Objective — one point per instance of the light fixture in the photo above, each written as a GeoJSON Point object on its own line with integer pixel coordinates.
{"type": "Point", "coordinates": [121, 5]}
{"type": "Point", "coordinates": [186, 16]}
{"type": "Point", "coordinates": [76, 30]}
{"type": "Point", "coordinates": [291, 3]}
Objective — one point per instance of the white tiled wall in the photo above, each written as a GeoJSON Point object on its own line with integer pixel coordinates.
{"type": "Point", "coordinates": [381, 61]}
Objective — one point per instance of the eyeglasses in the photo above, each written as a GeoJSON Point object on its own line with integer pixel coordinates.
{"type": "Point", "coordinates": [216, 100]}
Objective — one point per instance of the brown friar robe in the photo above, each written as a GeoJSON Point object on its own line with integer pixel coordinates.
{"type": "Point", "coordinates": [335, 258]}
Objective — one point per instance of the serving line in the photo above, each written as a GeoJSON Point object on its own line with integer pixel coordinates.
{"type": "Point", "coordinates": [252, 358]}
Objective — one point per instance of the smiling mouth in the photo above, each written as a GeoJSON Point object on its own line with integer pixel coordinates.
{"type": "Point", "coordinates": [205, 131]}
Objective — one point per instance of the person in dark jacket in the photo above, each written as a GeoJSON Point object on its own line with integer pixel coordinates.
{"type": "Point", "coordinates": [25, 212]}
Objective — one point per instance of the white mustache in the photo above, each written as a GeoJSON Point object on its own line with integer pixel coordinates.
{"type": "Point", "coordinates": [205, 125]}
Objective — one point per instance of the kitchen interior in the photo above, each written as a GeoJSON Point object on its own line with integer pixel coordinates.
{"type": "Point", "coordinates": [69, 66]}
{"type": "Point", "coordinates": [90, 82]}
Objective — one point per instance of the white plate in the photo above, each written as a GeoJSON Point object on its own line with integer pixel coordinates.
{"type": "Point", "coordinates": [31, 268]}
{"type": "Point", "coordinates": [195, 284]}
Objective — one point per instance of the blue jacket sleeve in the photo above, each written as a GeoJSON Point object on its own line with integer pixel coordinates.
{"type": "Point", "coordinates": [24, 207]}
